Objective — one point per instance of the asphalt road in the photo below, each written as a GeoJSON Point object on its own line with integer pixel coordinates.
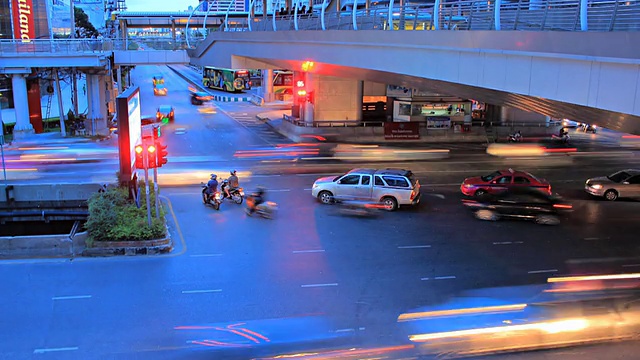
{"type": "Point", "coordinates": [241, 287]}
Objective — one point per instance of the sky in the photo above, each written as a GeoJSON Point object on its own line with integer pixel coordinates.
{"type": "Point", "coordinates": [160, 5]}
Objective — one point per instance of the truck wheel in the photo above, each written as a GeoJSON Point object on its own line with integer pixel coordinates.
{"type": "Point", "coordinates": [390, 204]}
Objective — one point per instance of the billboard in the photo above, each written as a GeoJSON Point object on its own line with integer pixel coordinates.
{"type": "Point", "coordinates": [129, 130]}
{"type": "Point", "coordinates": [23, 22]}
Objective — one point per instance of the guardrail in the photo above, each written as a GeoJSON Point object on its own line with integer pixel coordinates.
{"type": "Point", "coordinates": [87, 46]}
{"type": "Point", "coordinates": [542, 15]}
{"type": "Point", "coordinates": [317, 124]}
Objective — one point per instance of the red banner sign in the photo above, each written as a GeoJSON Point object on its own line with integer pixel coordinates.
{"type": "Point", "coordinates": [23, 25]}
{"type": "Point", "coordinates": [401, 130]}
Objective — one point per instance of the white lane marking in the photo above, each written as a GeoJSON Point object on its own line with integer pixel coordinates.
{"type": "Point", "coordinates": [414, 247]}
{"type": "Point", "coordinates": [345, 330]}
{"type": "Point", "coordinates": [71, 297]}
{"type": "Point", "coordinates": [264, 176]}
{"type": "Point", "coordinates": [438, 278]}
{"type": "Point", "coordinates": [280, 190]}
{"type": "Point", "coordinates": [631, 265]}
{"type": "Point", "coordinates": [318, 285]}
{"type": "Point", "coordinates": [508, 242]}
{"type": "Point", "coordinates": [439, 196]}
{"type": "Point", "coordinates": [592, 238]}
{"type": "Point", "coordinates": [309, 189]}
{"type": "Point", "coordinates": [200, 291]}
{"type": "Point", "coordinates": [205, 255]}
{"type": "Point", "coordinates": [307, 251]}
{"type": "Point", "coordinates": [42, 351]}
{"type": "Point", "coordinates": [541, 271]}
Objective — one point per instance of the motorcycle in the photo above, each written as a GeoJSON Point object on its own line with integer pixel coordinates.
{"type": "Point", "coordinates": [237, 194]}
{"type": "Point", "coordinates": [514, 138]}
{"type": "Point", "coordinates": [359, 208]}
{"type": "Point", "coordinates": [266, 210]}
{"type": "Point", "coordinates": [207, 199]}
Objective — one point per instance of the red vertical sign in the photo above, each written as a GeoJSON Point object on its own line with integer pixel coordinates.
{"type": "Point", "coordinates": [23, 24]}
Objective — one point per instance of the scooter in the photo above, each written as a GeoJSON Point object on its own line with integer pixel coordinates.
{"type": "Point", "coordinates": [265, 210]}
{"type": "Point", "coordinates": [207, 199]}
{"type": "Point", "coordinates": [237, 194]}
{"type": "Point", "coordinates": [514, 138]}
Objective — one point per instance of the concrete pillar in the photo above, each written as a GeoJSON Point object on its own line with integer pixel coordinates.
{"type": "Point", "coordinates": [173, 33]}
{"type": "Point", "coordinates": [96, 101]}
{"type": "Point", "coordinates": [265, 10]}
{"type": "Point", "coordinates": [120, 84]}
{"type": "Point", "coordinates": [359, 94]}
{"type": "Point", "coordinates": [308, 108]}
{"type": "Point", "coordinates": [23, 127]}
{"type": "Point", "coordinates": [267, 85]}
{"type": "Point", "coordinates": [504, 115]}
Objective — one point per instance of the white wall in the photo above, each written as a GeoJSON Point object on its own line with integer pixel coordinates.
{"type": "Point", "coordinates": [337, 99]}
{"type": "Point", "coordinates": [517, 115]}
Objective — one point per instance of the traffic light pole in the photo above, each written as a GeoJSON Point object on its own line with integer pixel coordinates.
{"type": "Point", "coordinates": [145, 157]}
{"type": "Point", "coordinates": [155, 191]}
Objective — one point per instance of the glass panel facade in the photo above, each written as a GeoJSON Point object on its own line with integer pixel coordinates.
{"type": "Point", "coordinates": [5, 20]}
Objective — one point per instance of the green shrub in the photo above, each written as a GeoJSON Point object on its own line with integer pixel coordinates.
{"type": "Point", "coordinates": [112, 217]}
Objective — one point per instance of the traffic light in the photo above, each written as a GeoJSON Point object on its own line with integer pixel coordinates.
{"type": "Point", "coordinates": [139, 158]}
{"type": "Point", "coordinates": [161, 153]}
{"type": "Point", "coordinates": [151, 156]}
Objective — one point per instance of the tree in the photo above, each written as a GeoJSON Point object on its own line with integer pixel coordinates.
{"type": "Point", "coordinates": [84, 27]}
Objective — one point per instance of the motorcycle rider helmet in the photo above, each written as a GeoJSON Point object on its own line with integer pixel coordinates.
{"type": "Point", "coordinates": [260, 190]}
{"type": "Point", "coordinates": [232, 172]}
{"type": "Point", "coordinates": [214, 176]}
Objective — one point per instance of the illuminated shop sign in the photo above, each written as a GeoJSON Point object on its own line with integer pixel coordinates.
{"type": "Point", "coordinates": [23, 24]}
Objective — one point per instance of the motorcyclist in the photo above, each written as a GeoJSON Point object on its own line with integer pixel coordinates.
{"type": "Point", "coordinates": [212, 185]}
{"type": "Point", "coordinates": [258, 198]}
{"type": "Point", "coordinates": [233, 183]}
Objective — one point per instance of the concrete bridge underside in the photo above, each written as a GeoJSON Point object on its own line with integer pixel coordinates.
{"type": "Point", "coordinates": [593, 77]}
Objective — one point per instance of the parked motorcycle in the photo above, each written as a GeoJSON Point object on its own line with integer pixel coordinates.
{"type": "Point", "coordinates": [214, 200]}
{"type": "Point", "coordinates": [266, 210]}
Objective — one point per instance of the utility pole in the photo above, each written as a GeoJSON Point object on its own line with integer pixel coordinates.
{"type": "Point", "coordinates": [4, 168]}
{"type": "Point", "coordinates": [156, 191]}
{"type": "Point", "coordinates": [145, 155]}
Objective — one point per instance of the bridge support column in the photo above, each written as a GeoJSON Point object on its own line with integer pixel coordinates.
{"type": "Point", "coordinates": [23, 127]}
{"type": "Point", "coordinates": [267, 84]}
{"type": "Point", "coordinates": [97, 104]}
{"type": "Point", "coordinates": [308, 108]}
{"type": "Point", "coordinates": [504, 115]}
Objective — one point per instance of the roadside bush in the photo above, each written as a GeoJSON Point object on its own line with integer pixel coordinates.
{"type": "Point", "coordinates": [112, 217]}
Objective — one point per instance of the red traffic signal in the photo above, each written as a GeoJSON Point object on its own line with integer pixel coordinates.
{"type": "Point", "coordinates": [161, 153]}
{"type": "Point", "coordinates": [139, 157]}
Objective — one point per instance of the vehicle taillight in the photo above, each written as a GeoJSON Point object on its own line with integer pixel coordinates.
{"type": "Point", "coordinates": [562, 206]}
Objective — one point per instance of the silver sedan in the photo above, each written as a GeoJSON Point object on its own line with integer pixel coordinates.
{"type": "Point", "coordinates": [624, 183]}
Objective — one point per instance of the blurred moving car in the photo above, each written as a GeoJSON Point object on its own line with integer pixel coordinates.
{"type": "Point", "coordinates": [496, 321]}
{"type": "Point", "coordinates": [624, 183]}
{"type": "Point", "coordinates": [520, 203]}
{"type": "Point", "coordinates": [502, 180]}
{"type": "Point", "coordinates": [165, 113]}
{"type": "Point", "coordinates": [159, 90]}
{"type": "Point", "coordinates": [391, 187]}
{"type": "Point", "coordinates": [199, 97]}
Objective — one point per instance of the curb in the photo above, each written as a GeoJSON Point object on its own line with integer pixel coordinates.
{"type": "Point", "coordinates": [128, 248]}
{"type": "Point", "coordinates": [219, 98]}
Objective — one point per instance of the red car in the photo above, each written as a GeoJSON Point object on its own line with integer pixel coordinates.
{"type": "Point", "coordinates": [502, 180]}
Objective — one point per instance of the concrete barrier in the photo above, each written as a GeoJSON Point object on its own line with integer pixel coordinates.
{"type": "Point", "coordinates": [49, 193]}
{"type": "Point", "coordinates": [15, 247]}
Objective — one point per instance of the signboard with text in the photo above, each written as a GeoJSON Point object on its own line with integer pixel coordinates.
{"type": "Point", "coordinates": [129, 130]}
{"type": "Point", "coordinates": [401, 130]}
{"type": "Point", "coordinates": [23, 22]}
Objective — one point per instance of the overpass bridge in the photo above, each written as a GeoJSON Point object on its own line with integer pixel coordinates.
{"type": "Point", "coordinates": [561, 58]}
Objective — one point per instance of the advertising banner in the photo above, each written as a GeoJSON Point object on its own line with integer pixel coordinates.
{"type": "Point", "coordinates": [23, 20]}
{"type": "Point", "coordinates": [401, 130]}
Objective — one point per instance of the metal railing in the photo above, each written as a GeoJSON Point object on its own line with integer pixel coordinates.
{"type": "Point", "coordinates": [87, 46]}
{"type": "Point", "coordinates": [555, 15]}
{"type": "Point", "coordinates": [422, 124]}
